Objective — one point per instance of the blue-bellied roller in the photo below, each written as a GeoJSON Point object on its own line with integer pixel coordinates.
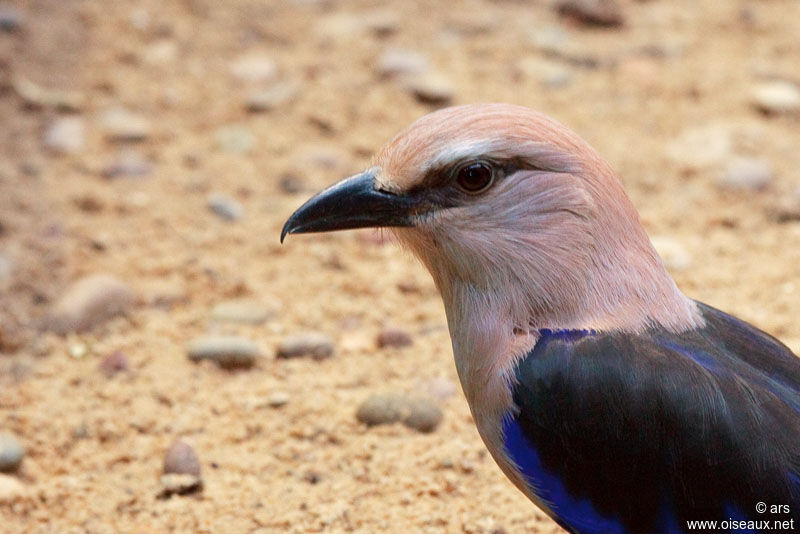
{"type": "Point", "coordinates": [613, 401]}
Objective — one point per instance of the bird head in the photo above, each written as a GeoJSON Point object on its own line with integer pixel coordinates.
{"type": "Point", "coordinates": [510, 208]}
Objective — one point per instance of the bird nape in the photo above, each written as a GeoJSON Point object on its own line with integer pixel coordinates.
{"type": "Point", "coordinates": [613, 401]}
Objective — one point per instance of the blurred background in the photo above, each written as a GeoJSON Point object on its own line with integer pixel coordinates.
{"type": "Point", "coordinates": [167, 366]}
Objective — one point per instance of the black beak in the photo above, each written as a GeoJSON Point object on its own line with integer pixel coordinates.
{"type": "Point", "coordinates": [352, 203]}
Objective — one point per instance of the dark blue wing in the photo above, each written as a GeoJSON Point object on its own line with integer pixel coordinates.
{"type": "Point", "coordinates": [621, 433]}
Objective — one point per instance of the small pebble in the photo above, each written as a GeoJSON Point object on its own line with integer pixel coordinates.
{"type": "Point", "coordinates": [382, 409]}
{"type": "Point", "coordinates": [548, 72]}
{"type": "Point", "coordinates": [120, 124]}
{"type": "Point", "coordinates": [11, 18]}
{"type": "Point", "coordinates": [314, 344]}
{"type": "Point", "coordinates": [394, 337]}
{"type": "Point", "coordinates": [181, 459]}
{"type": "Point", "coordinates": [235, 139]}
{"type": "Point", "coordinates": [291, 184]}
{"type": "Point", "coordinates": [430, 88]}
{"type": "Point", "coordinates": [423, 414]}
{"type": "Point", "coordinates": [114, 363]}
{"type": "Point", "coordinates": [254, 67]}
{"type": "Point", "coordinates": [777, 97]}
{"type": "Point", "coordinates": [439, 388]}
{"type": "Point", "coordinates": [128, 164]}
{"type": "Point", "coordinates": [89, 301]}
{"type": "Point", "coordinates": [224, 207]}
{"type": "Point", "coordinates": [244, 311]}
{"type": "Point", "coordinates": [417, 412]}
{"type": "Point", "coordinates": [381, 23]}
{"type": "Point", "coordinates": [673, 254]}
{"type": "Point", "coordinates": [139, 19]}
{"type": "Point", "coordinates": [701, 146]}
{"type": "Point", "coordinates": [36, 96]}
{"type": "Point", "coordinates": [228, 352]}
{"type": "Point", "coordinates": [6, 269]}
{"type": "Point", "coordinates": [179, 484]}
{"type": "Point", "coordinates": [11, 489]}
{"type": "Point", "coordinates": [750, 174]}
{"type": "Point", "coordinates": [398, 62]}
{"type": "Point", "coordinates": [601, 13]}
{"type": "Point", "coordinates": [277, 399]}
{"type": "Point", "coordinates": [78, 350]}
{"type": "Point", "coordinates": [786, 208]}
{"type": "Point", "coordinates": [65, 135]}
{"type": "Point", "coordinates": [268, 98]}
{"type": "Point", "coordinates": [11, 452]}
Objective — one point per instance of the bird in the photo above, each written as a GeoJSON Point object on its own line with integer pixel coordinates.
{"type": "Point", "coordinates": [614, 402]}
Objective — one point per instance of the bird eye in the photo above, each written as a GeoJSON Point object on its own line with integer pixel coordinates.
{"type": "Point", "coordinates": [475, 177]}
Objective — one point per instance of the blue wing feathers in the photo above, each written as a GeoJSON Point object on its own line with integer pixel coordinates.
{"type": "Point", "coordinates": [610, 426]}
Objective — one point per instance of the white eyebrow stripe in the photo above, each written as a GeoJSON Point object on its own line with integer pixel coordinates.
{"type": "Point", "coordinates": [465, 150]}
{"type": "Point", "coordinates": [538, 153]}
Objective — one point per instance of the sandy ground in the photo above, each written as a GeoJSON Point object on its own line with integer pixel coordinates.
{"type": "Point", "coordinates": [677, 71]}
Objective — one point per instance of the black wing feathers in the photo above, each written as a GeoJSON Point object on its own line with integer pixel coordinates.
{"type": "Point", "coordinates": [698, 426]}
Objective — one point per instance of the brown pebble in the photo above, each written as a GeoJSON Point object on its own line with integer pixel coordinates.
{"type": "Point", "coordinates": [382, 409]}
{"type": "Point", "coordinates": [114, 363]}
{"type": "Point", "coordinates": [394, 337]}
{"type": "Point", "coordinates": [314, 344]}
{"type": "Point", "coordinates": [417, 412]}
{"type": "Point", "coordinates": [603, 13]}
{"type": "Point", "coordinates": [423, 414]}
{"type": "Point", "coordinates": [88, 302]}
{"type": "Point", "coordinates": [181, 459]}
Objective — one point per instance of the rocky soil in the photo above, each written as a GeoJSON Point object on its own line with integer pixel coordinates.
{"type": "Point", "coordinates": [167, 366]}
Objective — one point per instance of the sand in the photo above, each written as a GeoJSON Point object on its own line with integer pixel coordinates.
{"type": "Point", "coordinates": [667, 99]}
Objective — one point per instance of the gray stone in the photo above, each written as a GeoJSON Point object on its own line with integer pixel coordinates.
{"type": "Point", "coordinates": [673, 253]}
{"type": "Point", "coordinates": [417, 412]}
{"type": "Point", "coordinates": [11, 18]}
{"type": "Point", "coordinates": [245, 311]}
{"type": "Point", "coordinates": [777, 97]}
{"type": "Point", "coordinates": [382, 409]}
{"type": "Point", "coordinates": [128, 164]}
{"type": "Point", "coordinates": [254, 67]}
{"type": "Point", "coordinates": [181, 459]}
{"type": "Point", "coordinates": [277, 399]}
{"type": "Point", "coordinates": [399, 62]}
{"type": "Point", "coordinates": [11, 452]}
{"type": "Point", "coordinates": [228, 352]}
{"type": "Point", "coordinates": [224, 207]}
{"type": "Point", "coordinates": [65, 135]}
{"type": "Point", "coordinates": [88, 302]}
{"type": "Point", "coordinates": [423, 414]}
{"type": "Point", "coordinates": [747, 174]}
{"type": "Point", "coordinates": [271, 97]}
{"type": "Point", "coordinates": [120, 124]}
{"type": "Point", "coordinates": [394, 337]}
{"type": "Point", "coordinates": [430, 88]}
{"type": "Point", "coordinates": [236, 139]}
{"type": "Point", "coordinates": [314, 344]}
{"type": "Point", "coordinates": [179, 484]}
